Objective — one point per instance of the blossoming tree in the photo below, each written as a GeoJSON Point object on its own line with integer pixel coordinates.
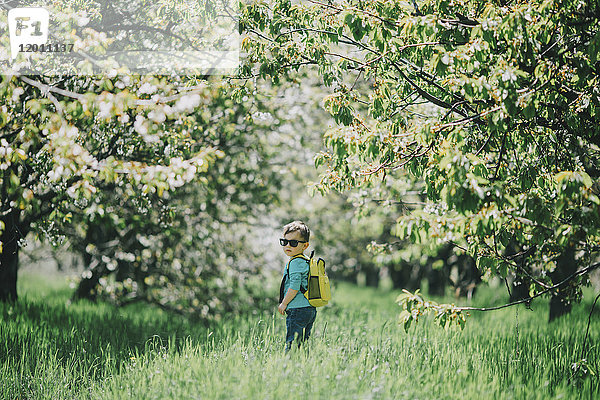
{"type": "Point", "coordinates": [492, 105]}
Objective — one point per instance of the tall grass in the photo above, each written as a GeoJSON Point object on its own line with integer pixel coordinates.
{"type": "Point", "coordinates": [52, 350]}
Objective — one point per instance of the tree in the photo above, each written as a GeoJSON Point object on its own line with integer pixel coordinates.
{"type": "Point", "coordinates": [57, 160]}
{"type": "Point", "coordinates": [197, 250]}
{"type": "Point", "coordinates": [67, 141]}
{"type": "Point", "coordinates": [493, 106]}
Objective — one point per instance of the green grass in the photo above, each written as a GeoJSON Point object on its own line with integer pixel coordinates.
{"type": "Point", "coordinates": [50, 349]}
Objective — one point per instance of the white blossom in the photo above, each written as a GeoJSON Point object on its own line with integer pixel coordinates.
{"type": "Point", "coordinates": [147, 88]}
{"type": "Point", "coordinates": [509, 75]}
{"type": "Point", "coordinates": [83, 20]}
{"type": "Point", "coordinates": [105, 108]}
{"type": "Point", "coordinates": [139, 125]}
{"type": "Point", "coordinates": [187, 103]}
{"type": "Point", "coordinates": [157, 116]}
{"type": "Point", "coordinates": [17, 93]}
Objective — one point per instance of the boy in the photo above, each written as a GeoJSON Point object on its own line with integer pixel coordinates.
{"type": "Point", "coordinates": [300, 314]}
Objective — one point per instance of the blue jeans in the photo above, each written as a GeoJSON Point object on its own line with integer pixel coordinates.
{"type": "Point", "coordinates": [299, 323]}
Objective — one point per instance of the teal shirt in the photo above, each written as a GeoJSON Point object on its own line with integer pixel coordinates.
{"type": "Point", "coordinates": [298, 276]}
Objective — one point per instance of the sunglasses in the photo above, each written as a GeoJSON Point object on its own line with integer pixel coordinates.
{"type": "Point", "coordinates": [293, 243]}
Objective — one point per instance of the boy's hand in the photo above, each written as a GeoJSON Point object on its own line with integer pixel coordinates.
{"type": "Point", "coordinates": [289, 296]}
{"type": "Point", "coordinates": [282, 308]}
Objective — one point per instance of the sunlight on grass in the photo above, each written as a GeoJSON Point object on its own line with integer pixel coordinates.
{"type": "Point", "coordinates": [56, 350]}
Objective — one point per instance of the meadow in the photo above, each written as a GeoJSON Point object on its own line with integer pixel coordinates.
{"type": "Point", "coordinates": [53, 349]}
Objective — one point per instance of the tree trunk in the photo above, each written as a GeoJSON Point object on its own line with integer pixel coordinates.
{"type": "Point", "coordinates": [95, 270]}
{"type": "Point", "coordinates": [9, 260]}
{"type": "Point", "coordinates": [398, 276]}
{"type": "Point", "coordinates": [9, 257]}
{"type": "Point", "coordinates": [437, 282]}
{"type": "Point", "coordinates": [519, 288]}
{"type": "Point", "coordinates": [406, 276]}
{"type": "Point", "coordinates": [559, 302]}
{"type": "Point", "coordinates": [372, 276]}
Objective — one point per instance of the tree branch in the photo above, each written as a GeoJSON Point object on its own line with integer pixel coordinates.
{"type": "Point", "coordinates": [502, 147]}
{"type": "Point", "coordinates": [587, 331]}
{"type": "Point", "coordinates": [527, 299]}
{"type": "Point", "coordinates": [468, 118]}
{"type": "Point", "coordinates": [45, 89]}
{"type": "Point", "coordinates": [387, 21]}
{"type": "Point", "coordinates": [430, 97]}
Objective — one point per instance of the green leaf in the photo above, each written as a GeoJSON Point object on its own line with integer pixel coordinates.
{"type": "Point", "coordinates": [404, 315]}
{"type": "Point", "coordinates": [587, 181]}
{"type": "Point", "coordinates": [15, 182]}
{"type": "Point", "coordinates": [529, 111]}
{"type": "Point", "coordinates": [443, 320]}
{"type": "Point", "coordinates": [594, 48]}
{"type": "Point", "coordinates": [563, 175]}
{"type": "Point", "coordinates": [348, 19]}
{"type": "Point", "coordinates": [407, 323]}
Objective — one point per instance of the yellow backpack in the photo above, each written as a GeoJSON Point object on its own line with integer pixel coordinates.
{"type": "Point", "coordinates": [318, 291]}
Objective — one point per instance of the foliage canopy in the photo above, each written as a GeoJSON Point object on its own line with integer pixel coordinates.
{"type": "Point", "coordinates": [493, 105]}
{"type": "Point", "coordinates": [151, 179]}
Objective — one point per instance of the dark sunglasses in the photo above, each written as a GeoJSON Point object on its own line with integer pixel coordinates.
{"type": "Point", "coordinates": [292, 242]}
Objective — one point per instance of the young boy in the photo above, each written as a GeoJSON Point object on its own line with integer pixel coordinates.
{"type": "Point", "coordinates": [300, 314]}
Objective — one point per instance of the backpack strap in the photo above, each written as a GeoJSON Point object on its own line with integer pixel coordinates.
{"type": "Point", "coordinates": [287, 269]}
{"type": "Point", "coordinates": [287, 275]}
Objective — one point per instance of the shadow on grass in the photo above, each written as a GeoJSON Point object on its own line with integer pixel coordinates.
{"type": "Point", "coordinates": [94, 338]}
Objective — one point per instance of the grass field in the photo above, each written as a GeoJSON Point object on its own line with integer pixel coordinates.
{"type": "Point", "coordinates": [50, 349]}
